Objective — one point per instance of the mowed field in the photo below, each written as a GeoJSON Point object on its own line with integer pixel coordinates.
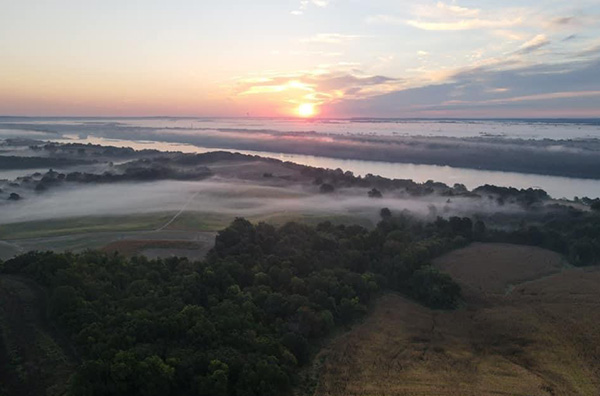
{"type": "Point", "coordinates": [530, 326]}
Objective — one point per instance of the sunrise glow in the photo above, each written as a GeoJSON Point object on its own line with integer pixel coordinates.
{"type": "Point", "coordinates": [464, 58]}
{"type": "Point", "coordinates": [306, 110]}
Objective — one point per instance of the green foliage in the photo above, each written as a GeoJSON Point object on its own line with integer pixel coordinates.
{"type": "Point", "coordinates": [573, 233]}
{"type": "Point", "coordinates": [240, 322]}
{"type": "Point", "coordinates": [434, 288]}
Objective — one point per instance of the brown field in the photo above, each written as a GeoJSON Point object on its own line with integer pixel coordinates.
{"type": "Point", "coordinates": [492, 268]}
{"type": "Point", "coordinates": [539, 337]}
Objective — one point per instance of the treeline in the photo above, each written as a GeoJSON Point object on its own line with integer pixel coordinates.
{"type": "Point", "coordinates": [241, 322]}
{"type": "Point", "coordinates": [136, 171]}
{"type": "Point", "coordinates": [576, 236]}
{"type": "Point", "coordinates": [17, 162]}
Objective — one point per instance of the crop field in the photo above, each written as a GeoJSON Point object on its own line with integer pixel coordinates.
{"type": "Point", "coordinates": [533, 329]}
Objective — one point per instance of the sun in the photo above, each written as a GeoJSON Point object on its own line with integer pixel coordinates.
{"type": "Point", "coordinates": [306, 110]}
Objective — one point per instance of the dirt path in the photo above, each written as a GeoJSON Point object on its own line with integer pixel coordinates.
{"type": "Point", "coordinates": [183, 208]}
{"type": "Point", "coordinates": [34, 359]}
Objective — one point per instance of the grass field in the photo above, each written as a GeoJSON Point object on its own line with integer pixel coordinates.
{"type": "Point", "coordinates": [189, 234]}
{"type": "Point", "coordinates": [494, 268]}
{"type": "Point", "coordinates": [537, 337]}
{"type": "Point", "coordinates": [80, 225]}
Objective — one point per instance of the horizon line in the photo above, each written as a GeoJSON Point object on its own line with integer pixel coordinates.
{"type": "Point", "coordinates": [305, 119]}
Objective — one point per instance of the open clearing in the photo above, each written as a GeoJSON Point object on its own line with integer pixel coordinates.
{"type": "Point", "coordinates": [538, 337]}
{"type": "Point", "coordinates": [493, 268]}
{"type": "Point", "coordinates": [157, 235]}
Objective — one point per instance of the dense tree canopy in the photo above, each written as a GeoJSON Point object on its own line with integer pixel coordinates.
{"type": "Point", "coordinates": [241, 321]}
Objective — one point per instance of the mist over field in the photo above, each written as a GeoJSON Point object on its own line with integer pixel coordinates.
{"type": "Point", "coordinates": [569, 149]}
{"type": "Point", "coordinates": [229, 198]}
{"type": "Point", "coordinates": [302, 197]}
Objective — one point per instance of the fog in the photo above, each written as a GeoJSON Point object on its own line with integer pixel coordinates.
{"type": "Point", "coordinates": [571, 150]}
{"type": "Point", "coordinates": [228, 198]}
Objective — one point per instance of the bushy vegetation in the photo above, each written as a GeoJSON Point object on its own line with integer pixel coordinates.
{"type": "Point", "coordinates": [242, 321]}
{"type": "Point", "coordinates": [575, 235]}
{"type": "Point", "coordinates": [16, 162]}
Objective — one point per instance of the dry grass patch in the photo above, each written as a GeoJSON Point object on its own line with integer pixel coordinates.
{"type": "Point", "coordinates": [540, 337]}
{"type": "Point", "coordinates": [491, 268]}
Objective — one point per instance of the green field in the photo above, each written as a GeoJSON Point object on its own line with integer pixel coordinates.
{"type": "Point", "coordinates": [78, 225]}
{"type": "Point", "coordinates": [95, 232]}
{"type": "Point", "coordinates": [187, 221]}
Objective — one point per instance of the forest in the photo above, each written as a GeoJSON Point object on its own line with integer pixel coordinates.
{"type": "Point", "coordinates": [248, 317]}
{"type": "Point", "coordinates": [244, 320]}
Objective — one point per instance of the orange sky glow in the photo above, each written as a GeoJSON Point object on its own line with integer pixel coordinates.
{"type": "Point", "coordinates": [325, 58]}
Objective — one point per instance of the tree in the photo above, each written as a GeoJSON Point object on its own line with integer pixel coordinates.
{"type": "Point", "coordinates": [596, 206]}
{"type": "Point", "coordinates": [385, 213]}
{"type": "Point", "coordinates": [435, 289]}
{"type": "Point", "coordinates": [216, 383]}
{"type": "Point", "coordinates": [326, 188]}
{"type": "Point", "coordinates": [460, 188]}
{"type": "Point", "coordinates": [479, 229]}
{"type": "Point", "coordinates": [374, 193]}
{"type": "Point", "coordinates": [155, 377]}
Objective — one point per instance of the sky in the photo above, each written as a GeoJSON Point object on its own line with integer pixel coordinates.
{"type": "Point", "coordinates": [324, 58]}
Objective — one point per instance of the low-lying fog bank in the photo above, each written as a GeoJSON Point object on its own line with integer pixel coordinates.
{"type": "Point", "coordinates": [230, 198]}
{"type": "Point", "coordinates": [560, 157]}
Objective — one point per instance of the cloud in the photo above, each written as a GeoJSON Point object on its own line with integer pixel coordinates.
{"type": "Point", "coordinates": [325, 85]}
{"type": "Point", "coordinates": [534, 44]}
{"type": "Point", "coordinates": [509, 34]}
{"type": "Point", "coordinates": [555, 89]}
{"type": "Point", "coordinates": [573, 21]}
{"type": "Point", "coordinates": [529, 98]}
{"type": "Point", "coordinates": [385, 19]}
{"type": "Point", "coordinates": [464, 24]}
{"type": "Point", "coordinates": [593, 51]}
{"type": "Point", "coordinates": [443, 10]}
{"type": "Point", "coordinates": [304, 4]}
{"type": "Point", "coordinates": [563, 21]}
{"type": "Point", "coordinates": [450, 17]}
{"type": "Point", "coordinates": [330, 38]}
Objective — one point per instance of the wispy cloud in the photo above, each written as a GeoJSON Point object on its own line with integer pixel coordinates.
{"type": "Point", "coordinates": [330, 38]}
{"type": "Point", "coordinates": [548, 87]}
{"type": "Point", "coordinates": [509, 34]}
{"type": "Point", "coordinates": [534, 44]}
{"type": "Point", "coordinates": [450, 17]}
{"type": "Point", "coordinates": [579, 20]}
{"type": "Point", "coordinates": [304, 4]}
{"type": "Point", "coordinates": [385, 19]}
{"type": "Point", "coordinates": [527, 98]}
{"type": "Point", "coordinates": [443, 10]}
{"type": "Point", "coordinates": [465, 24]}
{"type": "Point", "coordinates": [324, 85]}
{"type": "Point", "coordinates": [593, 51]}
